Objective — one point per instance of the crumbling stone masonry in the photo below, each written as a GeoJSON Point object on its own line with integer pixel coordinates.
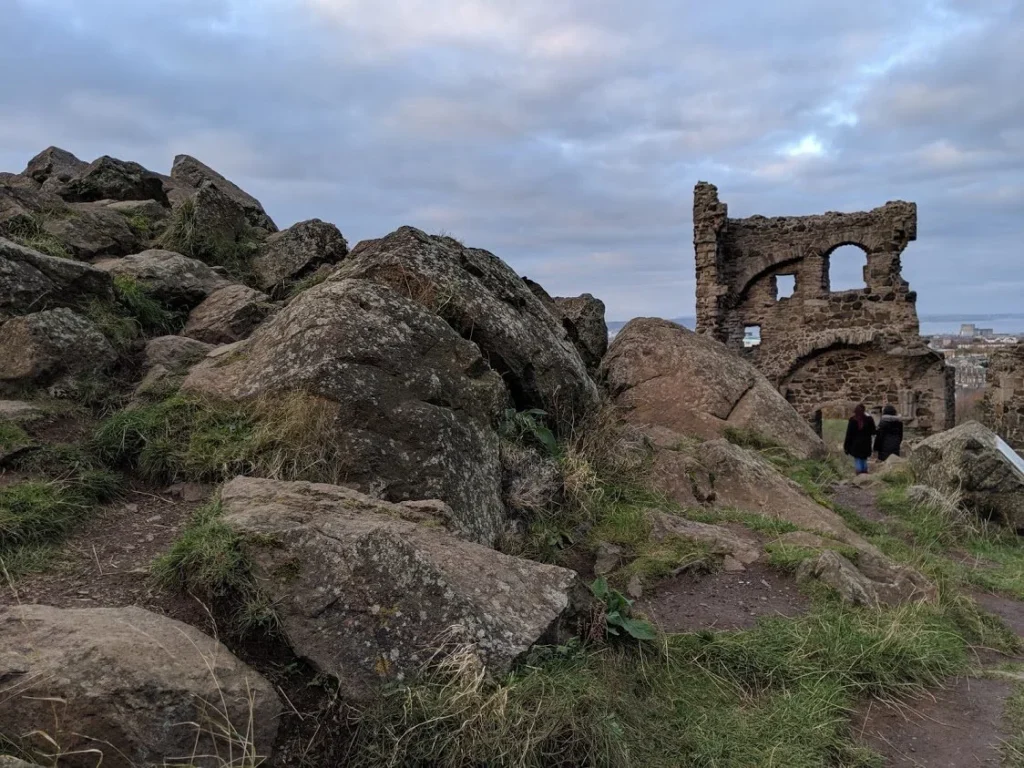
{"type": "Point", "coordinates": [1003, 406]}
{"type": "Point", "coordinates": [823, 350]}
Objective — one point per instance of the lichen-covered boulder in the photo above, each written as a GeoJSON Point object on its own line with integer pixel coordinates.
{"type": "Point", "coordinates": [53, 168]}
{"type": "Point", "coordinates": [46, 347]}
{"type": "Point", "coordinates": [298, 251]}
{"type": "Point", "coordinates": [31, 281]}
{"type": "Point", "coordinates": [126, 687]}
{"type": "Point", "coordinates": [415, 403]}
{"type": "Point", "coordinates": [108, 178]}
{"type": "Point", "coordinates": [176, 280]}
{"type": "Point", "coordinates": [91, 231]}
{"type": "Point", "coordinates": [189, 171]}
{"type": "Point", "coordinates": [665, 375]}
{"type": "Point", "coordinates": [480, 297]}
{"type": "Point", "coordinates": [214, 217]}
{"type": "Point", "coordinates": [368, 596]}
{"type": "Point", "coordinates": [974, 463]}
{"type": "Point", "coordinates": [228, 314]}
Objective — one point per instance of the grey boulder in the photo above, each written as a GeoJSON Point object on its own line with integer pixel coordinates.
{"type": "Point", "coordinates": [54, 167]}
{"type": "Point", "coordinates": [414, 403]}
{"type": "Point", "coordinates": [127, 687]}
{"type": "Point", "coordinates": [484, 301]}
{"type": "Point", "coordinates": [228, 314]}
{"type": "Point", "coordinates": [176, 280]}
{"type": "Point", "coordinates": [973, 463]}
{"type": "Point", "coordinates": [108, 178]}
{"type": "Point", "coordinates": [665, 375]}
{"type": "Point", "coordinates": [53, 346]}
{"type": "Point", "coordinates": [368, 596]}
{"type": "Point", "coordinates": [31, 281]}
{"type": "Point", "coordinates": [298, 251]}
{"type": "Point", "coordinates": [191, 172]}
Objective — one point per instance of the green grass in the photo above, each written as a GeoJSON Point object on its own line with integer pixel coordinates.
{"type": "Point", "coordinates": [12, 436]}
{"type": "Point", "coordinates": [133, 313]}
{"type": "Point", "coordinates": [1013, 723]}
{"type": "Point", "coordinates": [186, 235]}
{"type": "Point", "coordinates": [37, 514]}
{"type": "Point", "coordinates": [31, 233]}
{"type": "Point", "coordinates": [290, 437]}
{"type": "Point", "coordinates": [140, 224]}
{"type": "Point", "coordinates": [207, 560]}
{"type": "Point", "coordinates": [776, 695]}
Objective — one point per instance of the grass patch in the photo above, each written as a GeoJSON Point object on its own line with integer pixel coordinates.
{"type": "Point", "coordinates": [187, 235]}
{"type": "Point", "coordinates": [777, 695]}
{"type": "Point", "coordinates": [133, 313]}
{"type": "Point", "coordinates": [207, 560]}
{"type": "Point", "coordinates": [30, 231]}
{"type": "Point", "coordinates": [186, 438]}
{"type": "Point", "coordinates": [12, 436]}
{"type": "Point", "coordinates": [1013, 720]}
{"type": "Point", "coordinates": [140, 224]}
{"type": "Point", "coordinates": [35, 515]}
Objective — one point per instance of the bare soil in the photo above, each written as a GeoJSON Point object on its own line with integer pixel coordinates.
{"type": "Point", "coordinates": [858, 500]}
{"type": "Point", "coordinates": [723, 601]}
{"type": "Point", "coordinates": [958, 727]}
{"type": "Point", "coordinates": [106, 562]}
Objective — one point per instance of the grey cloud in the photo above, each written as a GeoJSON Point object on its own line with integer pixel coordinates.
{"type": "Point", "coordinates": [565, 137]}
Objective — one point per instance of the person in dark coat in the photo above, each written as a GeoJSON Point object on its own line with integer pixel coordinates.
{"type": "Point", "coordinates": [889, 436]}
{"type": "Point", "coordinates": [859, 434]}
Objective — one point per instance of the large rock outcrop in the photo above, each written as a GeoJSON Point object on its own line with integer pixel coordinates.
{"type": "Point", "coordinates": [31, 281]}
{"type": "Point", "coordinates": [91, 231]}
{"type": "Point", "coordinates": [368, 596]}
{"type": "Point", "coordinates": [873, 581]}
{"type": "Point", "coordinates": [297, 252]}
{"type": "Point", "coordinates": [191, 172]}
{"type": "Point", "coordinates": [976, 465]}
{"type": "Point", "coordinates": [173, 279]}
{"type": "Point", "coordinates": [53, 168]}
{"type": "Point", "coordinates": [480, 297]}
{"type": "Point", "coordinates": [49, 347]}
{"type": "Point", "coordinates": [665, 375]}
{"type": "Point", "coordinates": [416, 403]}
{"type": "Point", "coordinates": [124, 686]}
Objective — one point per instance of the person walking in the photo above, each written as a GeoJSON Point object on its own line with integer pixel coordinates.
{"type": "Point", "coordinates": [859, 434]}
{"type": "Point", "coordinates": [889, 436]}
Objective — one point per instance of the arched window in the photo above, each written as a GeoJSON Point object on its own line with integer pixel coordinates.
{"type": "Point", "coordinates": [846, 269]}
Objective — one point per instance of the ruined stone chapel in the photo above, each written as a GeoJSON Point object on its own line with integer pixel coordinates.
{"type": "Point", "coordinates": [824, 350]}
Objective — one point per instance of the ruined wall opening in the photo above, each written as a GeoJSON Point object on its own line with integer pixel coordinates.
{"type": "Point", "coordinates": [751, 336]}
{"type": "Point", "coordinates": [785, 286]}
{"type": "Point", "coordinates": [846, 269]}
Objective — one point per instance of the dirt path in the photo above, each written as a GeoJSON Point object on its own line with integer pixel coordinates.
{"type": "Point", "coordinates": [688, 602]}
{"type": "Point", "coordinates": [959, 726]}
{"type": "Point", "coordinates": [106, 562]}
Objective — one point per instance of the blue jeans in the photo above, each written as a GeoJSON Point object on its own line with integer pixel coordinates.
{"type": "Point", "coordinates": [861, 465]}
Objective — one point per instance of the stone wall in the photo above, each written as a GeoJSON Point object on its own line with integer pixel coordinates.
{"type": "Point", "coordinates": [1003, 406]}
{"type": "Point", "coordinates": [821, 347]}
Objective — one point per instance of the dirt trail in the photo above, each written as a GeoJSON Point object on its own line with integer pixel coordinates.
{"type": "Point", "coordinates": [959, 726]}
{"type": "Point", "coordinates": [106, 562]}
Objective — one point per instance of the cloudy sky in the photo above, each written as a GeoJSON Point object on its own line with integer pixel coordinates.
{"type": "Point", "coordinates": [564, 135]}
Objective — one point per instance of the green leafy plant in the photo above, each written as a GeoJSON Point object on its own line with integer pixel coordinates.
{"type": "Point", "coordinates": [617, 610]}
{"type": "Point", "coordinates": [529, 427]}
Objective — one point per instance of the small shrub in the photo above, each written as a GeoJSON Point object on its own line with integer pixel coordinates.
{"type": "Point", "coordinates": [140, 223]}
{"type": "Point", "coordinates": [618, 613]}
{"type": "Point", "coordinates": [528, 427]}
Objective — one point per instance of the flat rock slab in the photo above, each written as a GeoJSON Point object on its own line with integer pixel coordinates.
{"type": "Point", "coordinates": [723, 601]}
{"type": "Point", "coordinates": [368, 596]}
{"type": "Point", "coordinates": [959, 727]}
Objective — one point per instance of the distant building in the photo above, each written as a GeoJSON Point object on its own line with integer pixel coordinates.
{"type": "Point", "coordinates": [968, 329]}
{"type": "Point", "coordinates": [986, 333]}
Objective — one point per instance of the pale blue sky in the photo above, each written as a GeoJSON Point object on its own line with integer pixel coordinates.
{"type": "Point", "coordinates": [564, 136]}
